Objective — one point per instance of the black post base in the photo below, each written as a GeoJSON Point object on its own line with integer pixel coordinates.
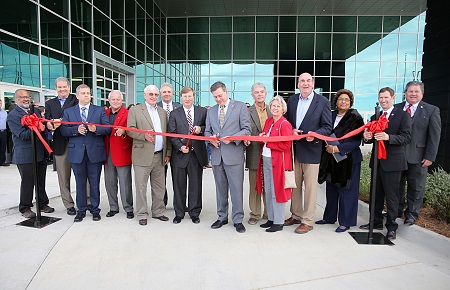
{"type": "Point", "coordinates": [33, 223]}
{"type": "Point", "coordinates": [377, 239]}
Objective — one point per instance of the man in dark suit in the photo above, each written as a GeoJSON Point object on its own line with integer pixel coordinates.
{"type": "Point", "coordinates": [259, 112]}
{"type": "Point", "coordinates": [168, 105]}
{"type": "Point", "coordinates": [307, 112]}
{"type": "Point", "coordinates": [54, 109]}
{"type": "Point", "coordinates": [86, 149]}
{"type": "Point", "coordinates": [187, 161]}
{"type": "Point", "coordinates": [118, 158]}
{"type": "Point", "coordinates": [421, 152]}
{"type": "Point", "coordinates": [395, 138]}
{"type": "Point", "coordinates": [22, 156]}
{"type": "Point", "coordinates": [228, 118]}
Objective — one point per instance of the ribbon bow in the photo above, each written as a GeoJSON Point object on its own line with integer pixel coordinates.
{"type": "Point", "coordinates": [376, 127]}
{"type": "Point", "coordinates": [32, 121]}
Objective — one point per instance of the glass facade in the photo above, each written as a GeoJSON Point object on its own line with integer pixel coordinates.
{"type": "Point", "coordinates": [128, 44]}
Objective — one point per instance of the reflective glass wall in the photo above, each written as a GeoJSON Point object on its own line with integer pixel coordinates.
{"type": "Point", "coordinates": [360, 53]}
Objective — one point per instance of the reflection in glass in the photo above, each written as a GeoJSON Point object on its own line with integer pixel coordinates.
{"type": "Point", "coordinates": [287, 45]}
{"type": "Point", "coordinates": [27, 26]}
{"type": "Point", "coordinates": [266, 46]}
{"type": "Point", "coordinates": [288, 23]}
{"type": "Point", "coordinates": [198, 25]}
{"type": "Point", "coordinates": [368, 46]}
{"type": "Point", "coordinates": [305, 46]}
{"type": "Point", "coordinates": [220, 24]}
{"type": "Point", "coordinates": [101, 25]}
{"type": "Point", "coordinates": [198, 46]}
{"type": "Point", "coordinates": [244, 46]}
{"type": "Point", "coordinates": [306, 24]}
{"type": "Point", "coordinates": [267, 23]}
{"type": "Point", "coordinates": [54, 31]}
{"type": "Point", "coordinates": [344, 46]}
{"type": "Point", "coordinates": [323, 46]}
{"type": "Point", "coordinates": [244, 24]}
{"type": "Point", "coordinates": [81, 14]}
{"type": "Point", "coordinates": [344, 23]}
{"type": "Point", "coordinates": [323, 23]}
{"type": "Point", "coordinates": [367, 69]}
{"type": "Point", "coordinates": [81, 44]}
{"type": "Point", "coordinates": [220, 46]}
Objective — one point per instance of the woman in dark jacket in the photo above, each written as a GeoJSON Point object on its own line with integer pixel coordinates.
{"type": "Point", "coordinates": [342, 177]}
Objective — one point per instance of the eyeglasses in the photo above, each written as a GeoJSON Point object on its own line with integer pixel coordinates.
{"type": "Point", "coordinates": [344, 100]}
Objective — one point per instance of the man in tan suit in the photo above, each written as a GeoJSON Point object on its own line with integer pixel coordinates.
{"type": "Point", "coordinates": [150, 154]}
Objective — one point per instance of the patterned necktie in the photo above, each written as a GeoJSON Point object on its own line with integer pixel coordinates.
{"type": "Point", "coordinates": [221, 116]}
{"type": "Point", "coordinates": [83, 114]}
{"type": "Point", "coordinates": [168, 111]}
{"type": "Point", "coordinates": [408, 110]}
{"type": "Point", "coordinates": [189, 119]}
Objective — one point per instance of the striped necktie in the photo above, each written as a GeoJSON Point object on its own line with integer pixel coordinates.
{"type": "Point", "coordinates": [408, 110]}
{"type": "Point", "coordinates": [189, 119]}
{"type": "Point", "coordinates": [83, 114]}
{"type": "Point", "coordinates": [168, 111]}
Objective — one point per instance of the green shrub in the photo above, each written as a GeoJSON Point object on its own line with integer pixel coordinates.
{"type": "Point", "coordinates": [437, 194]}
{"type": "Point", "coordinates": [364, 181]}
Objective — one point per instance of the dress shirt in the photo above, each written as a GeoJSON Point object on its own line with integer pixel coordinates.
{"type": "Point", "coordinates": [87, 110]}
{"type": "Point", "coordinates": [192, 113]}
{"type": "Point", "coordinates": [413, 108]}
{"type": "Point", "coordinates": [388, 111]}
{"type": "Point", "coordinates": [3, 116]}
{"type": "Point", "coordinates": [153, 112]}
{"type": "Point", "coordinates": [262, 114]}
{"type": "Point", "coordinates": [267, 152]}
{"type": "Point", "coordinates": [164, 105]}
{"type": "Point", "coordinates": [302, 108]}
{"type": "Point", "coordinates": [62, 101]}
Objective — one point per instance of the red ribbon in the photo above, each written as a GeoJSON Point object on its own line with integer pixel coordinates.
{"type": "Point", "coordinates": [34, 123]}
{"type": "Point", "coordinates": [379, 126]}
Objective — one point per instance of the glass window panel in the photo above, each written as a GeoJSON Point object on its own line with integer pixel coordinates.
{"type": "Point", "coordinates": [322, 68]}
{"type": "Point", "coordinates": [81, 73]}
{"type": "Point", "coordinates": [266, 46]}
{"type": "Point", "coordinates": [149, 33]}
{"type": "Point", "coordinates": [306, 24]}
{"type": "Point", "coordinates": [102, 5]}
{"type": "Point", "coordinates": [220, 24]}
{"type": "Point", "coordinates": [54, 31]}
{"type": "Point", "coordinates": [220, 46]}
{"type": "Point", "coordinates": [287, 45]}
{"type": "Point", "coordinates": [220, 69]}
{"type": "Point", "coordinates": [268, 83]}
{"type": "Point", "coordinates": [389, 47]}
{"type": "Point", "coordinates": [264, 68]}
{"type": "Point", "coordinates": [81, 44]}
{"type": "Point", "coordinates": [243, 84]}
{"type": "Point", "coordinates": [388, 69]}
{"type": "Point", "coordinates": [322, 84]}
{"type": "Point", "coordinates": [338, 68]}
{"type": "Point", "coordinates": [304, 66]}
{"type": "Point", "coordinates": [288, 23]}
{"type": "Point", "coordinates": [116, 36]}
{"type": "Point", "coordinates": [130, 16]}
{"type": "Point", "coordinates": [59, 7]}
{"type": "Point", "coordinates": [54, 65]}
{"type": "Point", "coordinates": [344, 23]}
{"type": "Point", "coordinates": [368, 47]}
{"type": "Point", "coordinates": [198, 25]}
{"type": "Point", "coordinates": [407, 46]}
{"type": "Point", "coordinates": [244, 24]}
{"type": "Point", "coordinates": [27, 25]}
{"type": "Point", "coordinates": [81, 13]}
{"type": "Point", "coordinates": [243, 69]}
{"type": "Point", "coordinates": [286, 68]}
{"type": "Point", "coordinates": [349, 84]}
{"type": "Point", "coordinates": [157, 16]}
{"type": "Point", "coordinates": [369, 23]}
{"type": "Point", "coordinates": [344, 46]}
{"type": "Point", "coordinates": [409, 24]}
{"type": "Point", "coordinates": [140, 24]}
{"type": "Point", "coordinates": [100, 71]}
{"type": "Point", "coordinates": [305, 46]}
{"type": "Point", "coordinates": [157, 40]}
{"type": "Point", "coordinates": [130, 44]}
{"type": "Point", "coordinates": [116, 54]}
{"type": "Point", "coordinates": [140, 51]}
{"type": "Point", "coordinates": [117, 13]}
{"type": "Point", "coordinates": [176, 25]}
{"type": "Point", "coordinates": [198, 46]}
{"type": "Point", "coordinates": [99, 45]}
{"type": "Point", "coordinates": [420, 46]}
{"type": "Point", "coordinates": [323, 46]}
{"type": "Point", "coordinates": [367, 69]}
{"type": "Point", "coordinates": [407, 71]}
{"type": "Point", "coordinates": [366, 101]}
{"type": "Point", "coordinates": [101, 26]}
{"type": "Point", "coordinates": [323, 23]}
{"type": "Point", "coordinates": [244, 46]}
{"type": "Point", "coordinates": [149, 7]}
{"type": "Point", "coordinates": [177, 47]}
{"type": "Point", "coordinates": [350, 68]}
{"type": "Point", "coordinates": [267, 23]}
{"type": "Point", "coordinates": [336, 84]}
{"type": "Point", "coordinates": [391, 23]}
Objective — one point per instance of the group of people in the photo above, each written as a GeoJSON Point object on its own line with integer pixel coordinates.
{"type": "Point", "coordinates": [411, 140]}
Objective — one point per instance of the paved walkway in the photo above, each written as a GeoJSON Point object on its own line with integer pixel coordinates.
{"type": "Point", "coordinates": [117, 253]}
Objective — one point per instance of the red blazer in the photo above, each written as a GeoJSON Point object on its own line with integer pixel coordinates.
{"type": "Point", "coordinates": [120, 147]}
{"type": "Point", "coordinates": [280, 128]}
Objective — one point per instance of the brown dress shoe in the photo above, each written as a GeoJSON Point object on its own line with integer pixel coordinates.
{"type": "Point", "coordinates": [303, 229]}
{"type": "Point", "coordinates": [291, 221]}
{"type": "Point", "coordinates": [162, 218]}
{"type": "Point", "coordinates": [143, 222]}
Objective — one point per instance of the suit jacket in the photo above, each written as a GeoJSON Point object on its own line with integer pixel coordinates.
{"type": "Point", "coordinates": [53, 110]}
{"type": "Point", "coordinates": [236, 123]}
{"type": "Point", "coordinates": [178, 124]}
{"type": "Point", "coordinates": [253, 151]}
{"type": "Point", "coordinates": [399, 130]}
{"type": "Point", "coordinates": [425, 133]}
{"type": "Point", "coordinates": [21, 136]}
{"type": "Point", "coordinates": [175, 105]}
{"type": "Point", "coordinates": [91, 143]}
{"type": "Point", "coordinates": [120, 146]}
{"type": "Point", "coordinates": [317, 119]}
{"type": "Point", "coordinates": [142, 152]}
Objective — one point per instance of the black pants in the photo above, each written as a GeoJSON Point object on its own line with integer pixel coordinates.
{"type": "Point", "coordinates": [27, 185]}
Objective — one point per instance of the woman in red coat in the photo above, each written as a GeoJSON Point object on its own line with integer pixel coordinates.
{"type": "Point", "coordinates": [275, 158]}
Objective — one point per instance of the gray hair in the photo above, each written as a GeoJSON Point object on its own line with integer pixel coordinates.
{"type": "Point", "coordinates": [218, 85]}
{"type": "Point", "coordinates": [115, 91]}
{"type": "Point", "coordinates": [166, 85]}
{"type": "Point", "coordinates": [62, 79]}
{"type": "Point", "coordinates": [281, 101]}
{"type": "Point", "coordinates": [258, 85]}
{"type": "Point", "coordinates": [151, 87]}
{"type": "Point", "coordinates": [82, 86]}
{"type": "Point", "coordinates": [415, 83]}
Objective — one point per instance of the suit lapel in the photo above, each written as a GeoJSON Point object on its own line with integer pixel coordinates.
{"type": "Point", "coordinates": [255, 117]}
{"type": "Point", "coordinates": [230, 108]}
{"type": "Point", "coordinates": [162, 118]}
{"type": "Point", "coordinates": [147, 115]}
{"type": "Point", "coordinates": [311, 108]}
{"type": "Point", "coordinates": [184, 119]}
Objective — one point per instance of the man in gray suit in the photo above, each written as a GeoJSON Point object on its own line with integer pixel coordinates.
{"type": "Point", "coordinates": [227, 118]}
{"type": "Point", "coordinates": [421, 152]}
{"type": "Point", "coordinates": [149, 154]}
{"type": "Point", "coordinates": [259, 113]}
{"type": "Point", "coordinates": [168, 105]}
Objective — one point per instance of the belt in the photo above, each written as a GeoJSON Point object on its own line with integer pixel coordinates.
{"type": "Point", "coordinates": [157, 152]}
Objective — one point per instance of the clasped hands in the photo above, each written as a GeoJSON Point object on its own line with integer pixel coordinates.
{"type": "Point", "coordinates": [381, 136]}
{"type": "Point", "coordinates": [216, 143]}
{"type": "Point", "coordinates": [83, 129]}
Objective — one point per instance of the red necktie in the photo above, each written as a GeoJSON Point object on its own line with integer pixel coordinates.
{"type": "Point", "coordinates": [408, 110]}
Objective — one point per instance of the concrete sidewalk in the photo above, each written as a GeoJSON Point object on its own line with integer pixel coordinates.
{"type": "Point", "coordinates": [117, 253]}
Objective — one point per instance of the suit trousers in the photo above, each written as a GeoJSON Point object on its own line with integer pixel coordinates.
{"type": "Point", "coordinates": [303, 204]}
{"type": "Point", "coordinates": [275, 210]}
{"type": "Point", "coordinates": [157, 182]}
{"type": "Point", "coordinates": [180, 175]}
{"type": "Point", "coordinates": [121, 174]}
{"type": "Point", "coordinates": [343, 200]}
{"type": "Point", "coordinates": [229, 177]}
{"type": "Point", "coordinates": [416, 178]}
{"type": "Point", "coordinates": [27, 185]}
{"type": "Point", "coordinates": [84, 172]}
{"type": "Point", "coordinates": [254, 199]}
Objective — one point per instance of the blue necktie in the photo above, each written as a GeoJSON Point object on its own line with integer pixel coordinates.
{"type": "Point", "coordinates": [83, 114]}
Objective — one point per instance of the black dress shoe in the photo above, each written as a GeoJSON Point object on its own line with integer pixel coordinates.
{"type": "Point", "coordinates": [274, 228]}
{"type": "Point", "coordinates": [239, 228]}
{"type": "Point", "coordinates": [177, 220]}
{"type": "Point", "coordinates": [195, 219]}
{"type": "Point", "coordinates": [323, 222]}
{"type": "Point", "coordinates": [409, 222]}
{"type": "Point", "coordinates": [218, 224]}
{"type": "Point", "coordinates": [391, 235]}
{"type": "Point", "coordinates": [89, 207]}
{"type": "Point", "coordinates": [375, 227]}
{"type": "Point", "coordinates": [79, 217]}
{"type": "Point", "coordinates": [71, 211]}
{"type": "Point", "coordinates": [162, 218]}
{"type": "Point", "coordinates": [130, 215]}
{"type": "Point", "coordinates": [96, 217]}
{"type": "Point", "coordinates": [111, 213]}
{"type": "Point", "coordinates": [267, 224]}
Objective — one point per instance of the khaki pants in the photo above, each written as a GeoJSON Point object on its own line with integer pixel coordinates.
{"type": "Point", "coordinates": [254, 199]}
